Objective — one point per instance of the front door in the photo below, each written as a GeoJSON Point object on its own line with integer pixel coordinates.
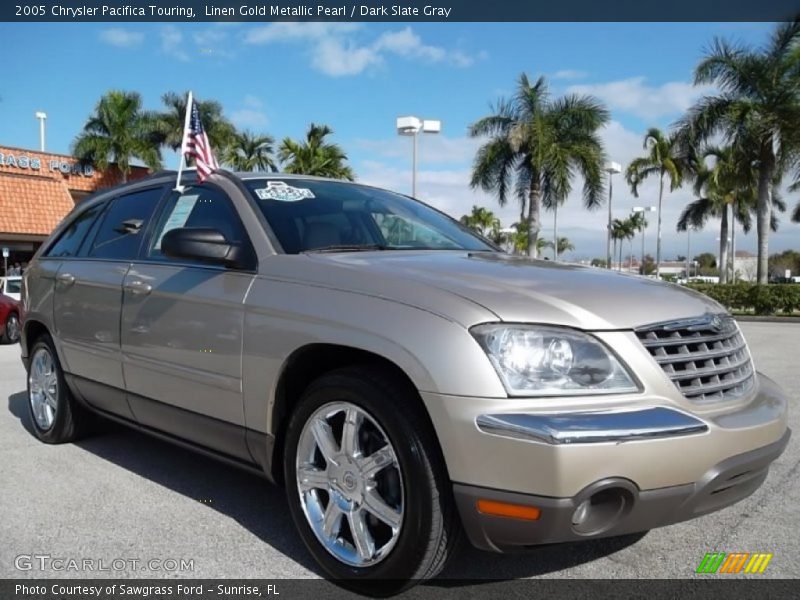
{"type": "Point", "coordinates": [182, 327]}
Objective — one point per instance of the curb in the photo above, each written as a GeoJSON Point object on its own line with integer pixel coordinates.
{"type": "Point", "coordinates": [766, 319]}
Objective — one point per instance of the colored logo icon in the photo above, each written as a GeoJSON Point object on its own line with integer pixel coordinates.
{"type": "Point", "coordinates": [734, 562]}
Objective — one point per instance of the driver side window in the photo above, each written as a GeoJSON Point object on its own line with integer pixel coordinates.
{"type": "Point", "coordinates": [198, 207]}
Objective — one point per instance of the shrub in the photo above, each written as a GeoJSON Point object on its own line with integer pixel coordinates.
{"type": "Point", "coordinates": [761, 299]}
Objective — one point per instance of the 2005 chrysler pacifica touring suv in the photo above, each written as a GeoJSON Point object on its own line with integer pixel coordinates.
{"type": "Point", "coordinates": [404, 379]}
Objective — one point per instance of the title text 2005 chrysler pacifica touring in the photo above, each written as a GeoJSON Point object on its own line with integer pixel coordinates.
{"type": "Point", "coordinates": [404, 379]}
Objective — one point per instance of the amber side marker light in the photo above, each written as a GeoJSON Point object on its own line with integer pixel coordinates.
{"type": "Point", "coordinates": [512, 511]}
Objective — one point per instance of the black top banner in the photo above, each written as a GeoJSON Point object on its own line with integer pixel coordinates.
{"type": "Point", "coordinates": [398, 10]}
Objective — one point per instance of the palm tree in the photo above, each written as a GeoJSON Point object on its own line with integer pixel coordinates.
{"type": "Point", "coordinates": [315, 156]}
{"type": "Point", "coordinates": [637, 224]}
{"type": "Point", "coordinates": [758, 107]}
{"type": "Point", "coordinates": [728, 187]}
{"type": "Point", "coordinates": [170, 122]}
{"type": "Point", "coordinates": [728, 191]}
{"type": "Point", "coordinates": [519, 239]}
{"type": "Point", "coordinates": [247, 151]}
{"type": "Point", "coordinates": [118, 131]}
{"type": "Point", "coordinates": [621, 230]}
{"type": "Point", "coordinates": [536, 145]}
{"type": "Point", "coordinates": [564, 245]}
{"type": "Point", "coordinates": [481, 220]}
{"type": "Point", "coordinates": [662, 160]}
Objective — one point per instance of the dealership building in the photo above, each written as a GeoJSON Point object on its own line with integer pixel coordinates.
{"type": "Point", "coordinates": [37, 190]}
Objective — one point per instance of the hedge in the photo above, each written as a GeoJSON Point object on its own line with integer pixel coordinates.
{"type": "Point", "coordinates": [761, 299]}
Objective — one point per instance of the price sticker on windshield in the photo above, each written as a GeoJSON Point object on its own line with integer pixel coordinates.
{"type": "Point", "coordinates": [279, 190]}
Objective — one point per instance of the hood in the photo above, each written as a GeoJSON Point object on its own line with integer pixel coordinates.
{"type": "Point", "coordinates": [515, 289]}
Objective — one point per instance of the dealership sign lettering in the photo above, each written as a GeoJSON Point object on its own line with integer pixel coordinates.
{"type": "Point", "coordinates": [67, 167]}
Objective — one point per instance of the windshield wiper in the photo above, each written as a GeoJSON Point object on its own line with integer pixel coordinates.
{"type": "Point", "coordinates": [348, 248]}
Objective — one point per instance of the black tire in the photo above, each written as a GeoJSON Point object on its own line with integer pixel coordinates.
{"type": "Point", "coordinates": [12, 328]}
{"type": "Point", "coordinates": [431, 528]}
{"type": "Point", "coordinates": [71, 420]}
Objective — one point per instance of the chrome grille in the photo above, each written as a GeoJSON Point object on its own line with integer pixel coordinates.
{"type": "Point", "coordinates": [706, 357]}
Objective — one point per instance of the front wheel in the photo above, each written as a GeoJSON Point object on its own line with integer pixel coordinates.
{"type": "Point", "coordinates": [365, 482]}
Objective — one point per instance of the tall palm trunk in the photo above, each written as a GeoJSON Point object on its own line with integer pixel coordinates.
{"type": "Point", "coordinates": [723, 246]}
{"type": "Point", "coordinates": [658, 235]}
{"type": "Point", "coordinates": [734, 211]}
{"type": "Point", "coordinates": [534, 222]}
{"type": "Point", "coordinates": [764, 209]}
{"type": "Point", "coordinates": [621, 246]}
{"type": "Point", "coordinates": [555, 232]}
{"type": "Point", "coordinates": [522, 211]}
{"type": "Point", "coordinates": [611, 264]}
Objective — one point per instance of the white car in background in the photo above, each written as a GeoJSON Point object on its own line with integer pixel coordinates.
{"type": "Point", "coordinates": [10, 286]}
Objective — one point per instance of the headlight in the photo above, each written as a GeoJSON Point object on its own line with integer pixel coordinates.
{"type": "Point", "coordinates": [535, 360]}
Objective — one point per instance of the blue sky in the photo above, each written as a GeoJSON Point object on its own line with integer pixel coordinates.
{"type": "Point", "coordinates": [277, 78]}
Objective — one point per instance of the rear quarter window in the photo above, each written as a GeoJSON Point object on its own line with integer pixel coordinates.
{"type": "Point", "coordinates": [69, 242]}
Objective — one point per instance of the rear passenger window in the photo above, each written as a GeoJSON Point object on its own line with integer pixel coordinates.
{"type": "Point", "coordinates": [69, 242]}
{"type": "Point", "coordinates": [124, 223]}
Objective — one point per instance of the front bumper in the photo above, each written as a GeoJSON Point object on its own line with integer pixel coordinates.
{"type": "Point", "coordinates": [637, 510]}
{"type": "Point", "coordinates": [667, 459]}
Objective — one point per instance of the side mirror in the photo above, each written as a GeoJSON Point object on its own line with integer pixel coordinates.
{"type": "Point", "coordinates": [203, 244]}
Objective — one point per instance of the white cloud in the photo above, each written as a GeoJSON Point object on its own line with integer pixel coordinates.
{"type": "Point", "coordinates": [247, 117]}
{"type": "Point", "coordinates": [251, 113]}
{"type": "Point", "coordinates": [636, 97]}
{"type": "Point", "coordinates": [172, 43]}
{"type": "Point", "coordinates": [122, 38]}
{"type": "Point", "coordinates": [569, 74]}
{"type": "Point", "coordinates": [213, 41]}
{"type": "Point", "coordinates": [336, 51]}
{"type": "Point", "coordinates": [290, 31]}
{"type": "Point", "coordinates": [336, 57]}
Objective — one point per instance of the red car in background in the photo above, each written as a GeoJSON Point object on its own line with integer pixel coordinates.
{"type": "Point", "coordinates": [9, 319]}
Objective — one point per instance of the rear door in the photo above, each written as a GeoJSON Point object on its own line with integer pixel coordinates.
{"type": "Point", "coordinates": [88, 298]}
{"type": "Point", "coordinates": [182, 328]}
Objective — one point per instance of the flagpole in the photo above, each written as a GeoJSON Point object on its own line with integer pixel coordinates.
{"type": "Point", "coordinates": [178, 186]}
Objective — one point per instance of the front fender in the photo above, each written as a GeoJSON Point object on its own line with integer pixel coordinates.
{"type": "Point", "coordinates": [438, 355]}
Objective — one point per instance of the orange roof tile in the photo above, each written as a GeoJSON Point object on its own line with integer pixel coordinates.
{"type": "Point", "coordinates": [32, 205]}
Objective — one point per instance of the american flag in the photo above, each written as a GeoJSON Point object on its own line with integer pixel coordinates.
{"type": "Point", "coordinates": [196, 145]}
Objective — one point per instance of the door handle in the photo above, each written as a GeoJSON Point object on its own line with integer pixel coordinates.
{"type": "Point", "coordinates": [138, 288]}
{"type": "Point", "coordinates": [66, 279]}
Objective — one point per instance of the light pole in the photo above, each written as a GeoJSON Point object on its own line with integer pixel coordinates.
{"type": "Point", "coordinates": [42, 118]}
{"type": "Point", "coordinates": [611, 168]}
{"type": "Point", "coordinates": [643, 210]}
{"type": "Point", "coordinates": [413, 126]}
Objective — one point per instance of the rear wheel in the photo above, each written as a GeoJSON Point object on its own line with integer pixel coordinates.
{"type": "Point", "coordinates": [55, 414]}
{"type": "Point", "coordinates": [12, 328]}
{"type": "Point", "coordinates": [365, 482]}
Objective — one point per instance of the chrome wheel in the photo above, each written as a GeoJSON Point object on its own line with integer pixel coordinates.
{"type": "Point", "coordinates": [12, 329]}
{"type": "Point", "coordinates": [350, 485]}
{"type": "Point", "coordinates": [43, 388]}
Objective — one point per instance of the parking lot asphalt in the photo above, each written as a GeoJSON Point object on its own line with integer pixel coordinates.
{"type": "Point", "coordinates": [123, 495]}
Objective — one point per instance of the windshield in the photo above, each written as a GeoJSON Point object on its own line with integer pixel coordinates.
{"type": "Point", "coordinates": [319, 216]}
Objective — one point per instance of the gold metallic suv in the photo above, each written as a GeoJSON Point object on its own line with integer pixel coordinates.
{"type": "Point", "coordinates": [404, 379]}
